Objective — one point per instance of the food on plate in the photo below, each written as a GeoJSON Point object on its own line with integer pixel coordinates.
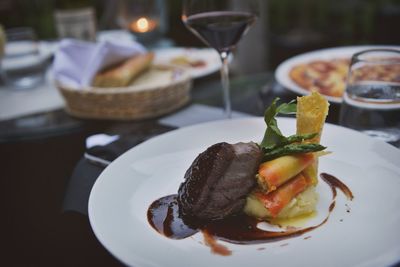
{"type": "Point", "coordinates": [218, 181]}
{"type": "Point", "coordinates": [276, 172]}
{"type": "Point", "coordinates": [125, 72]}
{"type": "Point", "coordinates": [187, 62]}
{"type": "Point", "coordinates": [311, 114]}
{"type": "Point", "coordinates": [230, 188]}
{"type": "Point", "coordinates": [327, 77]}
{"type": "Point", "coordinates": [286, 185]}
{"type": "Point", "coordinates": [379, 72]}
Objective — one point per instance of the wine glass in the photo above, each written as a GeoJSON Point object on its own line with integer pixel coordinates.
{"type": "Point", "coordinates": [220, 24]}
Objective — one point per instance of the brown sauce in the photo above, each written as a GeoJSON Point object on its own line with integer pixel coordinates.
{"type": "Point", "coordinates": [242, 229]}
{"type": "Point", "coordinates": [214, 245]}
{"type": "Point", "coordinates": [334, 183]}
{"type": "Point", "coordinates": [163, 215]}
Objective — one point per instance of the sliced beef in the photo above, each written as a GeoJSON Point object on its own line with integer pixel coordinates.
{"type": "Point", "coordinates": [218, 181]}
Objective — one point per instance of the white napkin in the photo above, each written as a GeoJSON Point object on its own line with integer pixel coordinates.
{"type": "Point", "coordinates": [77, 62]}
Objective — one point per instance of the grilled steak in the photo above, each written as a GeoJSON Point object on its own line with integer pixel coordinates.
{"type": "Point", "coordinates": [218, 181]}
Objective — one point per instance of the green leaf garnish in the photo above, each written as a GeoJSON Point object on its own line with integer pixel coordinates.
{"type": "Point", "coordinates": [272, 134]}
{"type": "Point", "coordinates": [274, 143]}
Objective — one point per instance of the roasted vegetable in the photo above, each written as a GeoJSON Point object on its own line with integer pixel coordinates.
{"type": "Point", "coordinates": [290, 163]}
{"type": "Point", "coordinates": [274, 173]}
{"type": "Point", "coordinates": [275, 201]}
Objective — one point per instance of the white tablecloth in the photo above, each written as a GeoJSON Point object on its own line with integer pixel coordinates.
{"type": "Point", "coordinates": [17, 103]}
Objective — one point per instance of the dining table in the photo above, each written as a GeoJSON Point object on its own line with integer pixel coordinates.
{"type": "Point", "coordinates": [47, 176]}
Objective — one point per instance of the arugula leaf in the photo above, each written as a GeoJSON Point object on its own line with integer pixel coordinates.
{"type": "Point", "coordinates": [287, 108]}
{"type": "Point", "coordinates": [274, 143]}
{"type": "Point", "coordinates": [273, 135]}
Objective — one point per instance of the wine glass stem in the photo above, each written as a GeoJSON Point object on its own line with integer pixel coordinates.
{"type": "Point", "coordinates": [225, 84]}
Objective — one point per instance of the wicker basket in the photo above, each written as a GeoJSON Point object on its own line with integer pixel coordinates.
{"type": "Point", "coordinates": [139, 101]}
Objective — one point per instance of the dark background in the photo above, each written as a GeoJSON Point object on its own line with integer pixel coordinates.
{"type": "Point", "coordinates": [293, 26]}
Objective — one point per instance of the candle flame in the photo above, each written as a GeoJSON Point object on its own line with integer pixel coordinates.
{"type": "Point", "coordinates": [142, 24]}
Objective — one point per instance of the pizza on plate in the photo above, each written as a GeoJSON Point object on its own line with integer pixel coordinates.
{"type": "Point", "coordinates": [328, 77]}
{"type": "Point", "coordinates": [378, 72]}
{"type": "Point", "coordinates": [323, 76]}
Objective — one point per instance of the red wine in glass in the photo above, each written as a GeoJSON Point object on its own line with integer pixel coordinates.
{"type": "Point", "coordinates": [220, 25]}
{"type": "Point", "coordinates": [221, 30]}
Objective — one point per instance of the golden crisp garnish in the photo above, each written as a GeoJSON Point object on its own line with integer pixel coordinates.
{"type": "Point", "coordinates": [311, 114]}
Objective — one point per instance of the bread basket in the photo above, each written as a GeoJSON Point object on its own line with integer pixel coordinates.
{"type": "Point", "coordinates": [163, 89]}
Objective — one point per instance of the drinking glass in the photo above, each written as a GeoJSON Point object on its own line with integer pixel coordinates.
{"type": "Point", "coordinates": [220, 24]}
{"type": "Point", "coordinates": [371, 102]}
{"type": "Point", "coordinates": [23, 66]}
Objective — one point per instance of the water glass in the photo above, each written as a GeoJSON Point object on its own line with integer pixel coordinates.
{"type": "Point", "coordinates": [371, 102]}
{"type": "Point", "coordinates": [23, 66]}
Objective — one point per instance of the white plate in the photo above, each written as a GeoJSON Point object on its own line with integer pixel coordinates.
{"type": "Point", "coordinates": [208, 55]}
{"type": "Point", "coordinates": [368, 235]}
{"type": "Point", "coordinates": [283, 70]}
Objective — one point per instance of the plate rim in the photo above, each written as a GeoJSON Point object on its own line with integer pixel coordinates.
{"type": "Point", "coordinates": [282, 74]}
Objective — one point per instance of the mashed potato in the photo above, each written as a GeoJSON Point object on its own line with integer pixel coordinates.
{"type": "Point", "coordinates": [303, 203]}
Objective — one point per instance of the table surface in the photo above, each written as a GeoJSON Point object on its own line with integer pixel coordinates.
{"type": "Point", "coordinates": [257, 89]}
{"type": "Point", "coordinates": [40, 152]}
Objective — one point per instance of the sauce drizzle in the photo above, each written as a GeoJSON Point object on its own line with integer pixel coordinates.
{"type": "Point", "coordinates": [164, 216]}
{"type": "Point", "coordinates": [334, 183]}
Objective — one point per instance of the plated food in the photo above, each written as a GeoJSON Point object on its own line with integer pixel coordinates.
{"type": "Point", "coordinates": [327, 77]}
{"type": "Point", "coordinates": [323, 71]}
{"type": "Point", "coordinates": [198, 61]}
{"type": "Point", "coordinates": [230, 188]}
{"type": "Point", "coordinates": [152, 91]}
{"type": "Point", "coordinates": [185, 61]}
{"type": "Point", "coordinates": [286, 185]}
{"type": "Point", "coordinates": [125, 72]}
{"type": "Point", "coordinates": [120, 198]}
{"type": "Point", "coordinates": [378, 71]}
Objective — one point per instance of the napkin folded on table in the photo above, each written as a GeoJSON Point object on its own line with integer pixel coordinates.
{"type": "Point", "coordinates": [87, 171]}
{"type": "Point", "coordinates": [106, 149]}
{"type": "Point", "coordinates": [77, 62]}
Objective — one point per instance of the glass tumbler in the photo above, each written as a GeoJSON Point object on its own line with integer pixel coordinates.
{"type": "Point", "coordinates": [23, 66]}
{"type": "Point", "coordinates": [371, 102]}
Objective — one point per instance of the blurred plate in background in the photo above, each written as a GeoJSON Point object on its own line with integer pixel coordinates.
{"type": "Point", "coordinates": [198, 61]}
{"type": "Point", "coordinates": [283, 72]}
